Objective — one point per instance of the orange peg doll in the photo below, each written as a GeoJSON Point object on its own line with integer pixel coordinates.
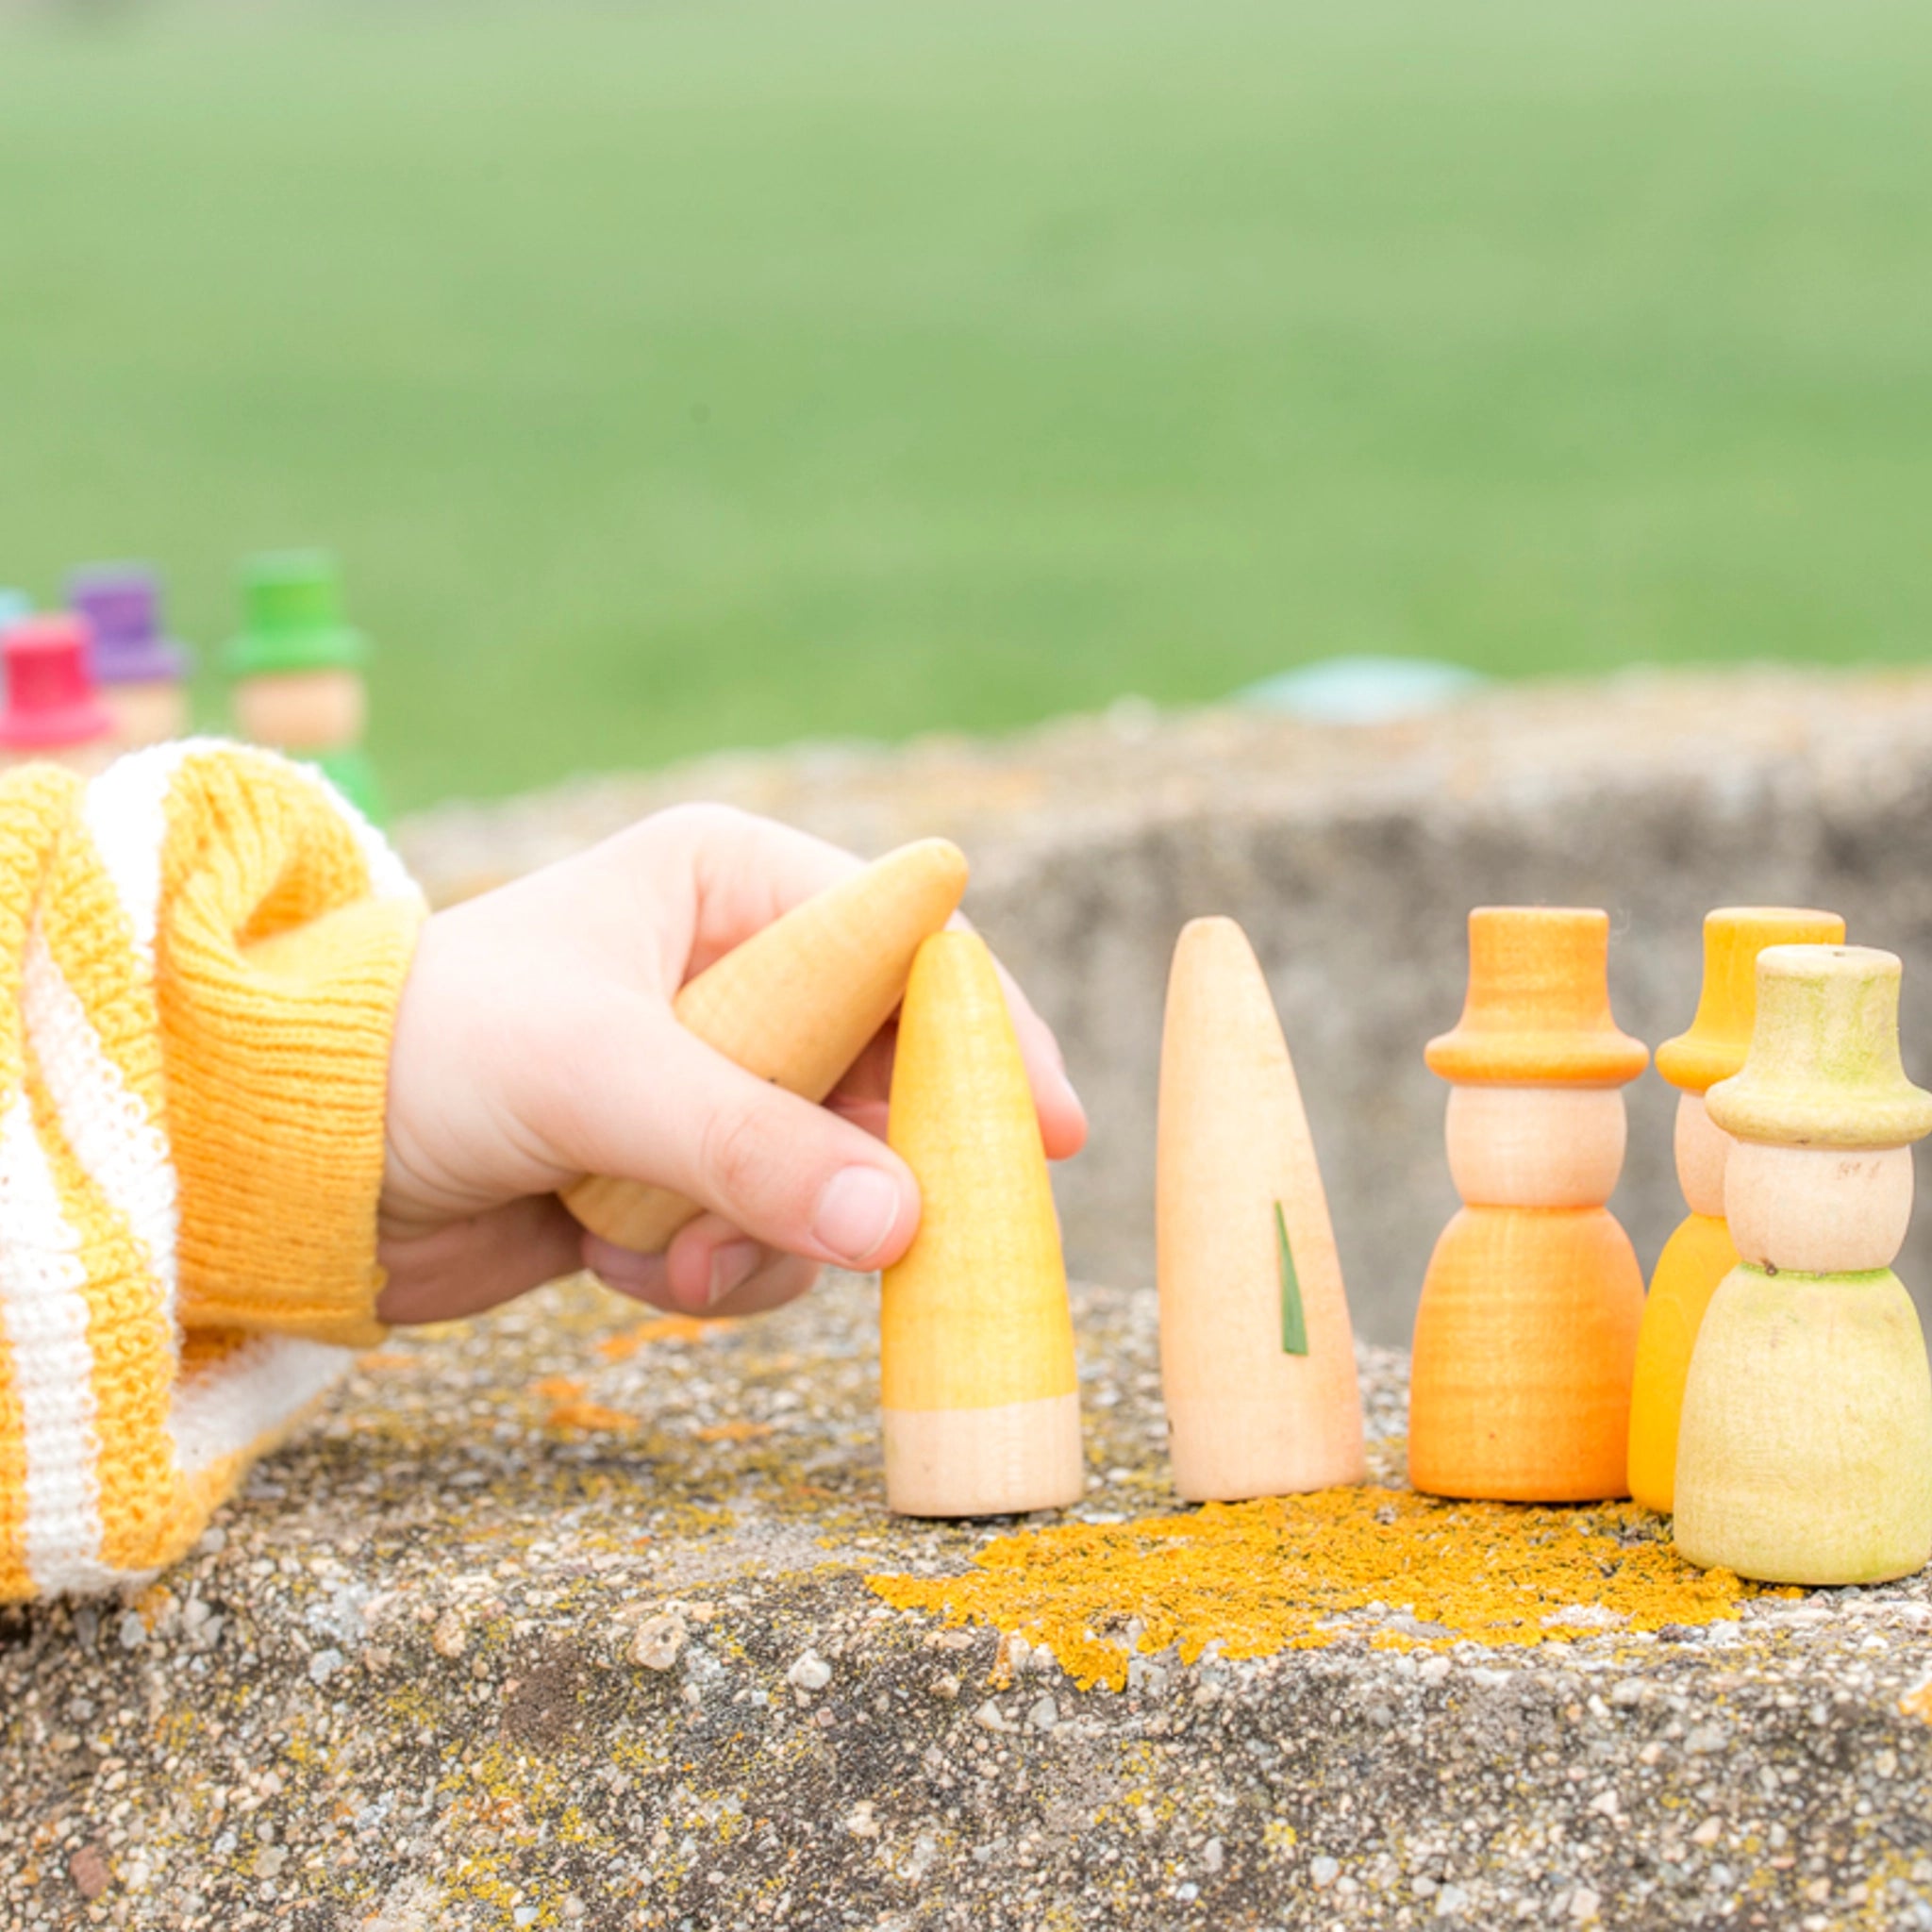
{"type": "Point", "coordinates": [1700, 1254]}
{"type": "Point", "coordinates": [1526, 1335]}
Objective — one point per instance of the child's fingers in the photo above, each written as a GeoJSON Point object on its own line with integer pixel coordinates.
{"type": "Point", "coordinates": [641, 1099]}
{"type": "Point", "coordinates": [1062, 1119]}
{"type": "Point", "coordinates": [473, 1264]}
{"type": "Point", "coordinates": [746, 872]}
{"type": "Point", "coordinates": [774, 1278]}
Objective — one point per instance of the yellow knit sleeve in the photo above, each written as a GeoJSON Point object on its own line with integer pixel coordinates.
{"type": "Point", "coordinates": [201, 956]}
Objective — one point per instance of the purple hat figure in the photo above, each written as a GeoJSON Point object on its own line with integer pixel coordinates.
{"type": "Point", "coordinates": [142, 673]}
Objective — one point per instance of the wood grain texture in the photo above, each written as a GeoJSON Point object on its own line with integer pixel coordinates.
{"type": "Point", "coordinates": [1713, 1047]}
{"type": "Point", "coordinates": [1525, 1343]}
{"type": "Point", "coordinates": [797, 1003]}
{"type": "Point", "coordinates": [1536, 1146]}
{"type": "Point", "coordinates": [1821, 1211]}
{"type": "Point", "coordinates": [1702, 1152]}
{"type": "Point", "coordinates": [990, 1461]}
{"type": "Point", "coordinates": [1806, 1449]}
{"type": "Point", "coordinates": [974, 1316]}
{"type": "Point", "coordinates": [1537, 1007]}
{"type": "Point", "coordinates": [1695, 1258]}
{"type": "Point", "coordinates": [1237, 1167]}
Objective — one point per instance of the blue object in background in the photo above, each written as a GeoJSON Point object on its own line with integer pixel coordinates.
{"type": "Point", "coordinates": [14, 605]}
{"type": "Point", "coordinates": [1362, 691]}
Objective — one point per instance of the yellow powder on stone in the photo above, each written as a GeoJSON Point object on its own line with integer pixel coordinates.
{"type": "Point", "coordinates": [617, 1348]}
{"type": "Point", "coordinates": [1286, 1574]}
{"type": "Point", "coordinates": [568, 1409]}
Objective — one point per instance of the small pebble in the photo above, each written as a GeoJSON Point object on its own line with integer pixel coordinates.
{"type": "Point", "coordinates": [658, 1642]}
{"type": "Point", "coordinates": [809, 1672]}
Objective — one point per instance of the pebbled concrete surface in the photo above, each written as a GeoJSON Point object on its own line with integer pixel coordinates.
{"type": "Point", "coordinates": [558, 1618]}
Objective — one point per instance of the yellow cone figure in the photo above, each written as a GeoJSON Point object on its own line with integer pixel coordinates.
{"type": "Point", "coordinates": [981, 1413]}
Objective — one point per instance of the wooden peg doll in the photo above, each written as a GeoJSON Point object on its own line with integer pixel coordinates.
{"type": "Point", "coordinates": [981, 1410]}
{"type": "Point", "coordinates": [1699, 1254]}
{"type": "Point", "coordinates": [298, 671]}
{"type": "Point", "coordinates": [140, 671]}
{"type": "Point", "coordinates": [1527, 1332]}
{"type": "Point", "coordinates": [1257, 1354]}
{"type": "Point", "coordinates": [797, 1003]}
{"type": "Point", "coordinates": [1805, 1449]}
{"type": "Point", "coordinates": [53, 714]}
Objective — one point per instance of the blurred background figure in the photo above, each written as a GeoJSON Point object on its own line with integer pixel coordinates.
{"type": "Point", "coordinates": [678, 376]}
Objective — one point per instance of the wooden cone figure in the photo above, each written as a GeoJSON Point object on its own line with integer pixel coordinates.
{"type": "Point", "coordinates": [982, 1417]}
{"type": "Point", "coordinates": [1526, 1334]}
{"type": "Point", "coordinates": [797, 1003]}
{"type": "Point", "coordinates": [1699, 1254]}
{"type": "Point", "coordinates": [1257, 1354]}
{"type": "Point", "coordinates": [1805, 1453]}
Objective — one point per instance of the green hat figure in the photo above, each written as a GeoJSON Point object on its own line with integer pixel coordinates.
{"type": "Point", "coordinates": [297, 671]}
{"type": "Point", "coordinates": [1804, 1450]}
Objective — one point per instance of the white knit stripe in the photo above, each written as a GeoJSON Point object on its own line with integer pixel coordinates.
{"type": "Point", "coordinates": [44, 1314]}
{"type": "Point", "coordinates": [126, 817]}
{"type": "Point", "coordinates": [231, 1404]}
{"type": "Point", "coordinates": [103, 1118]}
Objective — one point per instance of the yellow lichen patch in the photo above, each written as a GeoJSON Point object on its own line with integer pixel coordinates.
{"type": "Point", "coordinates": [1276, 1574]}
{"type": "Point", "coordinates": [375, 1360]}
{"type": "Point", "coordinates": [732, 1432]}
{"type": "Point", "coordinates": [1917, 1701]}
{"type": "Point", "coordinates": [617, 1348]}
{"type": "Point", "coordinates": [568, 1409]}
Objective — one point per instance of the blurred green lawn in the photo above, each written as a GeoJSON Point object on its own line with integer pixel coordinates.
{"type": "Point", "coordinates": [676, 375]}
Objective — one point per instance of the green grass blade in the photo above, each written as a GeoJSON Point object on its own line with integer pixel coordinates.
{"type": "Point", "coordinates": [1294, 1321]}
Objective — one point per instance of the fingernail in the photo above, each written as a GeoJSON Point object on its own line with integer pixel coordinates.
{"type": "Point", "coordinates": [857, 1213]}
{"type": "Point", "coordinates": [732, 1266]}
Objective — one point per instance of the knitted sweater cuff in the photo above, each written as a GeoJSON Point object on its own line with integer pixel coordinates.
{"type": "Point", "coordinates": [278, 972]}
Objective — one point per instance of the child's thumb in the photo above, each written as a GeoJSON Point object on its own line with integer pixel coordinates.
{"type": "Point", "coordinates": [789, 1174]}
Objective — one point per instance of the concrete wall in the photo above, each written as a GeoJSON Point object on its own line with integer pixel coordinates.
{"type": "Point", "coordinates": [1359, 913]}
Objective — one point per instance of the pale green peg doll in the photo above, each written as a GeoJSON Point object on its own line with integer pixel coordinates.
{"type": "Point", "coordinates": [1805, 1453]}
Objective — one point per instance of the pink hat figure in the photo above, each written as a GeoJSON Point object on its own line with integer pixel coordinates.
{"type": "Point", "coordinates": [53, 712]}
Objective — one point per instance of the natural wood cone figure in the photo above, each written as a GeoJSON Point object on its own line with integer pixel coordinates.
{"type": "Point", "coordinates": [1257, 1354]}
{"type": "Point", "coordinates": [1526, 1334]}
{"type": "Point", "coordinates": [977, 1344]}
{"type": "Point", "coordinates": [1699, 1254]}
{"type": "Point", "coordinates": [1804, 1452]}
{"type": "Point", "coordinates": [797, 1003]}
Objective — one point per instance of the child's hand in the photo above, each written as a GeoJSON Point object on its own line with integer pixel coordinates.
{"type": "Point", "coordinates": [535, 1043]}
